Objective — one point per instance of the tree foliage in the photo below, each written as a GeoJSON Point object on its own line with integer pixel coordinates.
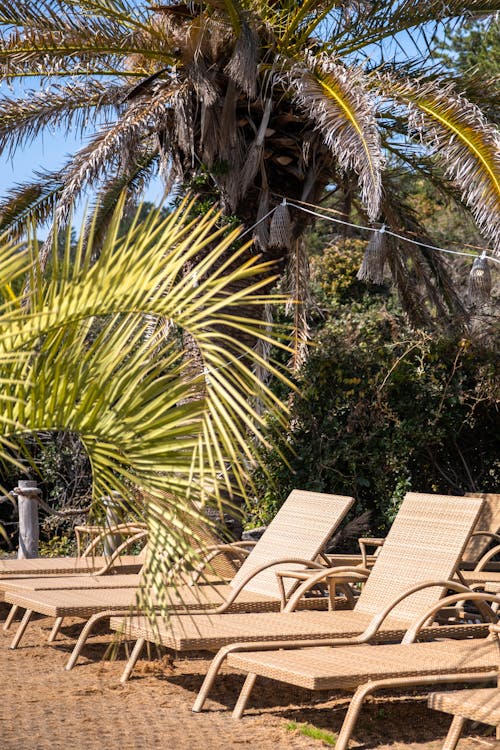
{"type": "Point", "coordinates": [251, 102]}
{"type": "Point", "coordinates": [382, 408]}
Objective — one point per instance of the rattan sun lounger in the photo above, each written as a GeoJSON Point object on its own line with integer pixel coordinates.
{"type": "Point", "coordinates": [410, 574]}
{"type": "Point", "coordinates": [481, 705]}
{"type": "Point", "coordinates": [295, 537]}
{"type": "Point", "coordinates": [87, 561]}
{"type": "Point", "coordinates": [367, 669]}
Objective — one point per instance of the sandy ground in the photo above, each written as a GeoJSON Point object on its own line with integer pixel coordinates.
{"type": "Point", "coordinates": [42, 707]}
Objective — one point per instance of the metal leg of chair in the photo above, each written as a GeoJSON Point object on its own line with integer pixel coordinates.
{"type": "Point", "coordinates": [22, 627]}
{"type": "Point", "coordinates": [132, 659]}
{"type": "Point", "coordinates": [351, 716]}
{"type": "Point", "coordinates": [209, 680]}
{"type": "Point", "coordinates": [55, 629]}
{"type": "Point", "coordinates": [244, 695]}
{"type": "Point", "coordinates": [82, 638]}
{"type": "Point", "coordinates": [454, 733]}
{"type": "Point", "coordinates": [10, 616]}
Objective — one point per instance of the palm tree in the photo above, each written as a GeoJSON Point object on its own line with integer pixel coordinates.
{"type": "Point", "coordinates": [80, 355]}
{"type": "Point", "coordinates": [251, 102]}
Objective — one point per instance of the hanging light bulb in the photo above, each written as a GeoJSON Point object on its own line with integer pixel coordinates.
{"type": "Point", "coordinates": [280, 231]}
{"type": "Point", "coordinates": [479, 284]}
{"type": "Point", "coordinates": [372, 266]}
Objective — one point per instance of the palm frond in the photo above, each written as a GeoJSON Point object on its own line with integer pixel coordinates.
{"type": "Point", "coordinates": [335, 98]}
{"type": "Point", "coordinates": [467, 146]}
{"type": "Point", "coordinates": [74, 106]}
{"type": "Point", "coordinates": [80, 361]}
{"type": "Point", "coordinates": [110, 148]}
{"type": "Point", "coordinates": [242, 66]}
{"type": "Point", "coordinates": [30, 203]}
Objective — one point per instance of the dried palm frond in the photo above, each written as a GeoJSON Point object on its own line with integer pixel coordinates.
{"type": "Point", "coordinates": [352, 530]}
{"type": "Point", "coordinates": [297, 279]}
{"type": "Point", "coordinates": [242, 66]}
{"type": "Point", "coordinates": [255, 152]}
{"type": "Point", "coordinates": [261, 231]}
{"type": "Point", "coordinates": [92, 162]}
{"type": "Point", "coordinates": [465, 143]}
{"type": "Point", "coordinates": [335, 98]}
{"type": "Point", "coordinates": [204, 86]}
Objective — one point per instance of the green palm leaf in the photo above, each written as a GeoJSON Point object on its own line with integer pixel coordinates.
{"type": "Point", "coordinates": [77, 358]}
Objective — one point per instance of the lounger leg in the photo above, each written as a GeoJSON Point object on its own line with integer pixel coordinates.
{"type": "Point", "coordinates": [82, 639]}
{"type": "Point", "coordinates": [454, 733]}
{"type": "Point", "coordinates": [22, 627]}
{"type": "Point", "coordinates": [132, 659]}
{"type": "Point", "coordinates": [352, 716]}
{"type": "Point", "coordinates": [55, 629]}
{"type": "Point", "coordinates": [209, 680]}
{"type": "Point", "coordinates": [244, 695]}
{"type": "Point", "coordinates": [10, 616]}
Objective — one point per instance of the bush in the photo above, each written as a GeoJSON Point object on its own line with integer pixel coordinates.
{"type": "Point", "coordinates": [383, 409]}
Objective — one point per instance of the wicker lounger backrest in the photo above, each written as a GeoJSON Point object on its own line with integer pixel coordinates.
{"type": "Point", "coordinates": [300, 529]}
{"type": "Point", "coordinates": [425, 543]}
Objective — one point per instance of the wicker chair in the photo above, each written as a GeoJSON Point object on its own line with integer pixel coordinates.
{"type": "Point", "coordinates": [367, 669]}
{"type": "Point", "coordinates": [479, 705]}
{"type": "Point", "coordinates": [86, 561]}
{"type": "Point", "coordinates": [411, 573]}
{"type": "Point", "coordinates": [296, 536]}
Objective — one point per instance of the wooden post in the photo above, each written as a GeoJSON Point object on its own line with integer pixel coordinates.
{"type": "Point", "coordinates": [27, 494]}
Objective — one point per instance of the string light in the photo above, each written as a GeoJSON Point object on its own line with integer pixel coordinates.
{"type": "Point", "coordinates": [372, 266]}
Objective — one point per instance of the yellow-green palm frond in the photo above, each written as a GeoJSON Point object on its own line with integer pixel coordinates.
{"type": "Point", "coordinates": [76, 357]}
{"type": "Point", "coordinates": [336, 99]}
{"type": "Point", "coordinates": [466, 144]}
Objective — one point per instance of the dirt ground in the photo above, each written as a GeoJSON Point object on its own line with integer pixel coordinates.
{"type": "Point", "coordinates": [43, 707]}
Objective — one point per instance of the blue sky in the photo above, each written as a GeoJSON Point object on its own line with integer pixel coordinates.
{"type": "Point", "coordinates": [50, 151]}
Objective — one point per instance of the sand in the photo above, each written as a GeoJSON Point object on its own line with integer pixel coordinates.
{"type": "Point", "coordinates": [43, 707]}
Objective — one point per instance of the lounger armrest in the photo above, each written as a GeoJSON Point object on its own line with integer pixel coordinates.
{"type": "Point", "coordinates": [282, 561]}
{"type": "Point", "coordinates": [365, 542]}
{"type": "Point", "coordinates": [481, 564]}
{"type": "Point", "coordinates": [490, 534]}
{"type": "Point", "coordinates": [325, 574]}
{"type": "Point", "coordinates": [99, 533]}
{"type": "Point", "coordinates": [235, 548]}
{"type": "Point", "coordinates": [480, 597]}
{"type": "Point", "coordinates": [119, 551]}
{"type": "Point", "coordinates": [201, 557]}
{"type": "Point", "coordinates": [379, 618]}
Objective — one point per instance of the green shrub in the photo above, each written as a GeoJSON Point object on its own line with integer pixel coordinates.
{"type": "Point", "coordinates": [382, 410]}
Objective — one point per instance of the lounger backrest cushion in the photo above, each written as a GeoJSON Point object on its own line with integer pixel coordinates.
{"type": "Point", "coordinates": [425, 543]}
{"type": "Point", "coordinates": [300, 529]}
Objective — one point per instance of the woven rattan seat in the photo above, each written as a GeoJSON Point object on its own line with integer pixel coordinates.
{"type": "Point", "coordinates": [67, 565]}
{"type": "Point", "coordinates": [367, 669]}
{"type": "Point", "coordinates": [478, 705]}
{"type": "Point", "coordinates": [344, 668]}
